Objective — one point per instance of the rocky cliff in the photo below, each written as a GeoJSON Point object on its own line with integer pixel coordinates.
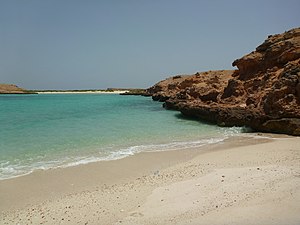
{"type": "Point", "coordinates": [12, 89]}
{"type": "Point", "coordinates": [263, 93]}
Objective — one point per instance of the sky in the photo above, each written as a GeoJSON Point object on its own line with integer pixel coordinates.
{"type": "Point", "coordinates": [86, 44]}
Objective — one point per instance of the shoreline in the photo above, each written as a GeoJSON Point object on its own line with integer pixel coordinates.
{"type": "Point", "coordinates": [118, 155]}
{"type": "Point", "coordinates": [81, 92]}
{"type": "Point", "coordinates": [125, 189]}
{"type": "Point", "coordinates": [203, 144]}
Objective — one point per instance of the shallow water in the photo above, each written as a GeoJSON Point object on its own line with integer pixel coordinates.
{"type": "Point", "coordinates": [58, 130]}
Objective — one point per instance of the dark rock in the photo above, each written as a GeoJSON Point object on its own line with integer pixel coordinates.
{"type": "Point", "coordinates": [283, 125]}
{"type": "Point", "coordinates": [234, 88]}
{"type": "Point", "coordinates": [136, 92]}
{"type": "Point", "coordinates": [211, 96]}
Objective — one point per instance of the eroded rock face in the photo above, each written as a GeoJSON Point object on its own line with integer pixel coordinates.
{"type": "Point", "coordinates": [264, 93]}
{"type": "Point", "coordinates": [274, 53]}
{"type": "Point", "coordinates": [206, 86]}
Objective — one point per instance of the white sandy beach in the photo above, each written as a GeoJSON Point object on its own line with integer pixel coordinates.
{"type": "Point", "coordinates": [242, 181]}
{"type": "Point", "coordinates": [82, 92]}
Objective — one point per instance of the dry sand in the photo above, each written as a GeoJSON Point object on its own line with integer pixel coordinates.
{"type": "Point", "coordinates": [81, 92]}
{"type": "Point", "coordinates": [242, 181]}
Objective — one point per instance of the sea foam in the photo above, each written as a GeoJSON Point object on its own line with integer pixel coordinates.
{"type": "Point", "coordinates": [48, 131]}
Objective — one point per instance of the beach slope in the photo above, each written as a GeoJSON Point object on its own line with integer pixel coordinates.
{"type": "Point", "coordinates": [245, 180]}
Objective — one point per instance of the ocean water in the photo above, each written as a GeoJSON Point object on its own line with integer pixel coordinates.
{"type": "Point", "coordinates": [59, 130]}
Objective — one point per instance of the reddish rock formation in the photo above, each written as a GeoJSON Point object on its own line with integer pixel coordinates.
{"type": "Point", "coordinates": [12, 89]}
{"type": "Point", "coordinates": [206, 86]}
{"type": "Point", "coordinates": [264, 93]}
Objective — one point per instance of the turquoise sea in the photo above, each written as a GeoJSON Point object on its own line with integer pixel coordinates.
{"type": "Point", "coordinates": [59, 130]}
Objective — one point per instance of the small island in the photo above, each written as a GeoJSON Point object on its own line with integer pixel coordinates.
{"type": "Point", "coordinates": [14, 89]}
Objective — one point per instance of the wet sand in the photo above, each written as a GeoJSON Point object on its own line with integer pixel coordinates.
{"type": "Point", "coordinates": [242, 181]}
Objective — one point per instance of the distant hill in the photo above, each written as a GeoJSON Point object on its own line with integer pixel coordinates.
{"type": "Point", "coordinates": [13, 89]}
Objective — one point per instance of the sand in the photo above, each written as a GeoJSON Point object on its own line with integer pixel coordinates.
{"type": "Point", "coordinates": [242, 181]}
{"type": "Point", "coordinates": [82, 92]}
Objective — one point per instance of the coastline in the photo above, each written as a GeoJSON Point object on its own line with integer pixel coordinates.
{"type": "Point", "coordinates": [166, 187]}
{"type": "Point", "coordinates": [82, 92]}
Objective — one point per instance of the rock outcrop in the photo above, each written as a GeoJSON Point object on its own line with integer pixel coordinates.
{"type": "Point", "coordinates": [263, 93]}
{"type": "Point", "coordinates": [135, 92]}
{"type": "Point", "coordinates": [13, 89]}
